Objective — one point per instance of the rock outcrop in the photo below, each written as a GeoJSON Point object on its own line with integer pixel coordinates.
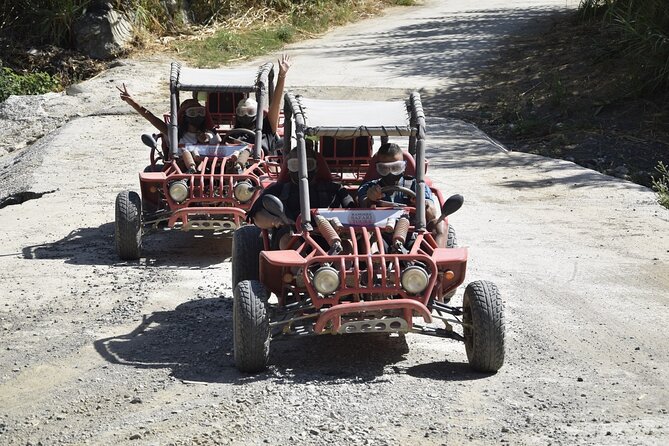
{"type": "Point", "coordinates": [102, 32]}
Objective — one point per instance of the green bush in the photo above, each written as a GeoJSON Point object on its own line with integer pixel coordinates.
{"type": "Point", "coordinates": [33, 83]}
{"type": "Point", "coordinates": [661, 184]}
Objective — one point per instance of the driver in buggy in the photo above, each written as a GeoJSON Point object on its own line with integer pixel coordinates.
{"type": "Point", "coordinates": [323, 193]}
{"type": "Point", "coordinates": [247, 111]}
{"type": "Point", "coordinates": [390, 166]}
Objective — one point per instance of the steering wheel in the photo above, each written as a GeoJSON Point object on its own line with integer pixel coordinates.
{"type": "Point", "coordinates": [236, 133]}
{"type": "Point", "coordinates": [404, 190]}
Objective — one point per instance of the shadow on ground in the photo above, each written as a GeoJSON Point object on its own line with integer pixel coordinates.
{"type": "Point", "coordinates": [195, 342]}
{"type": "Point", "coordinates": [169, 249]}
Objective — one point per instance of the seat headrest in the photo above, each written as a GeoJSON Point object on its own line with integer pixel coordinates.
{"type": "Point", "coordinates": [322, 170]}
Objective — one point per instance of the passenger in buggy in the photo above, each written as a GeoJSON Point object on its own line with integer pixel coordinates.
{"type": "Point", "coordinates": [323, 193]}
{"type": "Point", "coordinates": [391, 166]}
{"type": "Point", "coordinates": [195, 124]}
{"type": "Point", "coordinates": [247, 111]}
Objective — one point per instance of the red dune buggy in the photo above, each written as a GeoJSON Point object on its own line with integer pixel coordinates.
{"type": "Point", "coordinates": [228, 175]}
{"type": "Point", "coordinates": [321, 287]}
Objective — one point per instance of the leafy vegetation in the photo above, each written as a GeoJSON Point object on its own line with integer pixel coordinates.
{"type": "Point", "coordinates": [642, 33]}
{"type": "Point", "coordinates": [258, 31]}
{"type": "Point", "coordinates": [33, 83]}
{"type": "Point", "coordinates": [204, 32]}
{"type": "Point", "coordinates": [661, 184]}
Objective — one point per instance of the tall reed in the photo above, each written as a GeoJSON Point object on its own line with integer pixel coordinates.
{"type": "Point", "coordinates": [643, 35]}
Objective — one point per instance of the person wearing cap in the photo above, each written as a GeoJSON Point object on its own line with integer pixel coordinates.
{"type": "Point", "coordinates": [390, 166]}
{"type": "Point", "coordinates": [247, 111]}
{"type": "Point", "coordinates": [195, 125]}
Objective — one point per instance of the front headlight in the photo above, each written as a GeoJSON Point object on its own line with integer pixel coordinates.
{"type": "Point", "coordinates": [244, 191]}
{"type": "Point", "coordinates": [326, 280]}
{"type": "Point", "coordinates": [179, 190]}
{"type": "Point", "coordinates": [414, 279]}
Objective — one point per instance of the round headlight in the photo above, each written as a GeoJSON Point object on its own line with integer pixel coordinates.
{"type": "Point", "coordinates": [179, 191]}
{"type": "Point", "coordinates": [326, 280]}
{"type": "Point", "coordinates": [414, 279]}
{"type": "Point", "coordinates": [244, 191]}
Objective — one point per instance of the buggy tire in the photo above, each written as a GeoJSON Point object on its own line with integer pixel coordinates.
{"type": "Point", "coordinates": [452, 241]}
{"type": "Point", "coordinates": [250, 322]}
{"type": "Point", "coordinates": [128, 225]}
{"type": "Point", "coordinates": [483, 315]}
{"type": "Point", "coordinates": [247, 243]}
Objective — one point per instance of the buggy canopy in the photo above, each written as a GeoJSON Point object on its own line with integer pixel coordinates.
{"type": "Point", "coordinates": [347, 119]}
{"type": "Point", "coordinates": [216, 79]}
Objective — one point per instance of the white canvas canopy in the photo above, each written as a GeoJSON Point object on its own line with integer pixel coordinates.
{"type": "Point", "coordinates": [345, 119]}
{"type": "Point", "coordinates": [205, 79]}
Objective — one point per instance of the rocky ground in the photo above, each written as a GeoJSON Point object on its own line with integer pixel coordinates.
{"type": "Point", "coordinates": [98, 351]}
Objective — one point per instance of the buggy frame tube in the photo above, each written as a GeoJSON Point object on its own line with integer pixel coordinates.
{"type": "Point", "coordinates": [265, 72]}
{"type": "Point", "coordinates": [419, 117]}
{"type": "Point", "coordinates": [174, 105]}
{"type": "Point", "coordinates": [305, 209]}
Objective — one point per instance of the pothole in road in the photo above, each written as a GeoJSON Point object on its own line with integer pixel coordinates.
{"type": "Point", "coordinates": [22, 197]}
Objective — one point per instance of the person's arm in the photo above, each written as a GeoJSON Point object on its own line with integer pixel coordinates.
{"type": "Point", "coordinates": [368, 194]}
{"type": "Point", "coordinates": [430, 210]}
{"type": "Point", "coordinates": [158, 123]}
{"type": "Point", "coordinates": [343, 198]}
{"type": "Point", "coordinates": [265, 220]}
{"type": "Point", "coordinates": [275, 105]}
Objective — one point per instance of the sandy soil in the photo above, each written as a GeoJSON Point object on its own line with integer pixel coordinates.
{"type": "Point", "coordinates": [97, 351]}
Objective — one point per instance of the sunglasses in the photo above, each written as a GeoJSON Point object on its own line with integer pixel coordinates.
{"type": "Point", "coordinates": [294, 164]}
{"type": "Point", "coordinates": [195, 112]}
{"type": "Point", "coordinates": [396, 168]}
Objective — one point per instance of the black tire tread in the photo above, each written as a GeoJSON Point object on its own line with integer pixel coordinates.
{"type": "Point", "coordinates": [246, 246]}
{"type": "Point", "coordinates": [128, 231]}
{"type": "Point", "coordinates": [251, 335]}
{"type": "Point", "coordinates": [452, 241]}
{"type": "Point", "coordinates": [485, 343]}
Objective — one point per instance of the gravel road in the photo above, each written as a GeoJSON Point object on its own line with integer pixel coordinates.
{"type": "Point", "coordinates": [97, 351]}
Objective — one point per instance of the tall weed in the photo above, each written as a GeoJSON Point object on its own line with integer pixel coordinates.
{"type": "Point", "coordinates": [661, 184]}
{"type": "Point", "coordinates": [643, 34]}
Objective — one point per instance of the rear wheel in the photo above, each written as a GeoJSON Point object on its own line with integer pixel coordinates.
{"type": "Point", "coordinates": [250, 320]}
{"type": "Point", "coordinates": [128, 226]}
{"type": "Point", "coordinates": [246, 246]}
{"type": "Point", "coordinates": [483, 316]}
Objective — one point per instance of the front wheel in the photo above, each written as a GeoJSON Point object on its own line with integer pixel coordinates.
{"type": "Point", "coordinates": [250, 321]}
{"type": "Point", "coordinates": [483, 317]}
{"type": "Point", "coordinates": [452, 241]}
{"type": "Point", "coordinates": [128, 225]}
{"type": "Point", "coordinates": [247, 242]}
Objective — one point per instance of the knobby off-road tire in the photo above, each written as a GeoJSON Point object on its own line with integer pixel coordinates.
{"type": "Point", "coordinates": [452, 241]}
{"type": "Point", "coordinates": [128, 227]}
{"type": "Point", "coordinates": [250, 321]}
{"type": "Point", "coordinates": [484, 338]}
{"type": "Point", "coordinates": [246, 246]}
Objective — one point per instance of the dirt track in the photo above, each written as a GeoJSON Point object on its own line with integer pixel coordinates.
{"type": "Point", "coordinates": [95, 351]}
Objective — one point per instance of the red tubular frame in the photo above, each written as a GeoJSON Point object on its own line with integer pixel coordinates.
{"type": "Point", "coordinates": [334, 314]}
{"type": "Point", "coordinates": [207, 188]}
{"type": "Point", "coordinates": [424, 250]}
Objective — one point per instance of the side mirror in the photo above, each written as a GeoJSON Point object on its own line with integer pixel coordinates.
{"type": "Point", "coordinates": [149, 140]}
{"type": "Point", "coordinates": [275, 207]}
{"type": "Point", "coordinates": [452, 204]}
